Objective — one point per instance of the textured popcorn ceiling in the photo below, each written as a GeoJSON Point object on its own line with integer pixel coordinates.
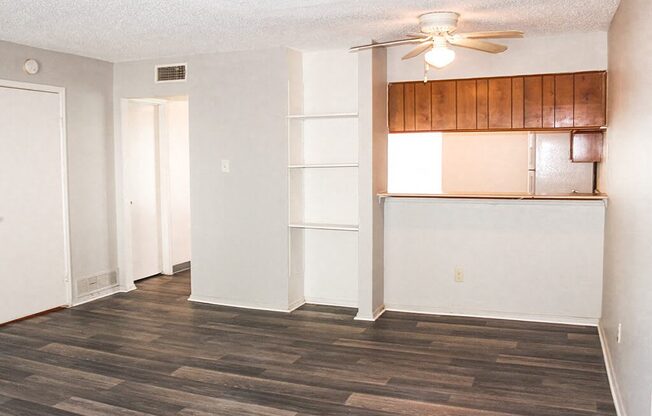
{"type": "Point", "coordinates": [121, 30]}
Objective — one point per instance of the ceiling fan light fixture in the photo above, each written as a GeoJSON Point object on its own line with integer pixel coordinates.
{"type": "Point", "coordinates": [440, 56]}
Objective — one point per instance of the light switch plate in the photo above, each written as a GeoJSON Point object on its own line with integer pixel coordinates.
{"type": "Point", "coordinates": [226, 166]}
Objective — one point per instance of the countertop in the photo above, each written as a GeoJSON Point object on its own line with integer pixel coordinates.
{"type": "Point", "coordinates": [517, 196]}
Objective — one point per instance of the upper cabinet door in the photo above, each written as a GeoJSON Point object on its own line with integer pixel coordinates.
{"type": "Point", "coordinates": [564, 100]}
{"type": "Point", "coordinates": [408, 107]}
{"type": "Point", "coordinates": [517, 102]}
{"type": "Point", "coordinates": [500, 103]}
{"type": "Point", "coordinates": [396, 108]}
{"type": "Point", "coordinates": [482, 96]}
{"type": "Point", "coordinates": [533, 102]}
{"type": "Point", "coordinates": [467, 108]}
{"type": "Point", "coordinates": [548, 101]}
{"type": "Point", "coordinates": [444, 108]}
{"type": "Point", "coordinates": [422, 99]}
{"type": "Point", "coordinates": [590, 99]}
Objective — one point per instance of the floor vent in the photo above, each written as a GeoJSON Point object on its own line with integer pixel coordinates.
{"type": "Point", "coordinates": [92, 284]}
{"type": "Point", "coordinates": [171, 73]}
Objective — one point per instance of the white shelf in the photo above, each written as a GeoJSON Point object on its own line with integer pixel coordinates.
{"type": "Point", "coordinates": [335, 227]}
{"type": "Point", "coordinates": [324, 165]}
{"type": "Point", "coordinates": [323, 115]}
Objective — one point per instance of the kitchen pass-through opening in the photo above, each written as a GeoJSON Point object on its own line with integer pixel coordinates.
{"type": "Point", "coordinates": [486, 163]}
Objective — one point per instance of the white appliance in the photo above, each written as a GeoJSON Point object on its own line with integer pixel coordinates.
{"type": "Point", "coordinates": [551, 171]}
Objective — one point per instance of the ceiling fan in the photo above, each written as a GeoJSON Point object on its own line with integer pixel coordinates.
{"type": "Point", "coordinates": [437, 32]}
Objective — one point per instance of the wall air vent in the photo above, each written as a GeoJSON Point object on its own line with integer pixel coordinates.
{"type": "Point", "coordinates": [92, 284]}
{"type": "Point", "coordinates": [171, 73]}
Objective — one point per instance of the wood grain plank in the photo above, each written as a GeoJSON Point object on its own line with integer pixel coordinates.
{"type": "Point", "coordinates": [482, 92]}
{"type": "Point", "coordinates": [396, 104]}
{"type": "Point", "coordinates": [500, 103]}
{"type": "Point", "coordinates": [564, 92]}
{"type": "Point", "coordinates": [518, 105]}
{"type": "Point", "coordinates": [422, 97]}
{"type": "Point", "coordinates": [467, 106]}
{"type": "Point", "coordinates": [533, 102]}
{"type": "Point", "coordinates": [548, 101]}
{"type": "Point", "coordinates": [444, 106]}
{"type": "Point", "coordinates": [590, 99]}
{"type": "Point", "coordinates": [84, 407]}
{"type": "Point", "coordinates": [409, 107]}
{"type": "Point", "coordinates": [413, 408]}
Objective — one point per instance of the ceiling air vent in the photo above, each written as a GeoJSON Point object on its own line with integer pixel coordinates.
{"type": "Point", "coordinates": [171, 73]}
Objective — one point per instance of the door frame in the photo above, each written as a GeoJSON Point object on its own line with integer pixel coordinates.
{"type": "Point", "coordinates": [123, 217]}
{"type": "Point", "coordinates": [61, 92]}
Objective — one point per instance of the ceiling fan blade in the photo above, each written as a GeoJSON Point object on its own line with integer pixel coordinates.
{"type": "Point", "coordinates": [384, 44]}
{"type": "Point", "coordinates": [496, 35]}
{"type": "Point", "coordinates": [418, 50]}
{"type": "Point", "coordinates": [477, 44]}
{"type": "Point", "coordinates": [420, 35]}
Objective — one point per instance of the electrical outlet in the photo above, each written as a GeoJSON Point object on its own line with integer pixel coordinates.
{"type": "Point", "coordinates": [619, 335]}
{"type": "Point", "coordinates": [226, 166]}
{"type": "Point", "coordinates": [459, 274]}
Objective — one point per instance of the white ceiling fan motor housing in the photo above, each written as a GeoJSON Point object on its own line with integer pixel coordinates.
{"type": "Point", "coordinates": [438, 22]}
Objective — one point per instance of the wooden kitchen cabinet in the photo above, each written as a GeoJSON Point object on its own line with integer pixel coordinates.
{"type": "Point", "coordinates": [422, 106]}
{"type": "Point", "coordinates": [443, 105]}
{"type": "Point", "coordinates": [500, 103]}
{"type": "Point", "coordinates": [590, 99]}
{"type": "Point", "coordinates": [533, 102]}
{"type": "Point", "coordinates": [482, 97]}
{"type": "Point", "coordinates": [548, 101]}
{"type": "Point", "coordinates": [395, 108]}
{"type": "Point", "coordinates": [518, 106]}
{"type": "Point", "coordinates": [408, 107]}
{"type": "Point", "coordinates": [529, 102]}
{"type": "Point", "coordinates": [467, 105]}
{"type": "Point", "coordinates": [587, 146]}
{"type": "Point", "coordinates": [564, 100]}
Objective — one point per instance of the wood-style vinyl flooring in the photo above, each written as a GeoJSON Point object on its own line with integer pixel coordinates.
{"type": "Point", "coordinates": [151, 352]}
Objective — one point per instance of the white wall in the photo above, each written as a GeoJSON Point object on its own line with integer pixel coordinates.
{"type": "Point", "coordinates": [372, 93]}
{"type": "Point", "coordinates": [628, 250]}
{"type": "Point", "coordinates": [484, 162]}
{"type": "Point", "coordinates": [521, 259]}
{"type": "Point", "coordinates": [238, 103]}
{"type": "Point", "coordinates": [330, 82]}
{"type": "Point", "coordinates": [561, 53]}
{"type": "Point", "coordinates": [424, 241]}
{"type": "Point", "coordinates": [88, 84]}
{"type": "Point", "coordinates": [179, 151]}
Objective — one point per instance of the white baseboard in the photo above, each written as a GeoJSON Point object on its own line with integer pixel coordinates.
{"type": "Point", "coordinates": [98, 295]}
{"type": "Point", "coordinates": [129, 288]}
{"type": "Point", "coordinates": [296, 304]}
{"type": "Point", "coordinates": [551, 319]}
{"type": "Point", "coordinates": [332, 302]}
{"type": "Point", "coordinates": [613, 383]}
{"type": "Point", "coordinates": [375, 315]}
{"type": "Point", "coordinates": [235, 304]}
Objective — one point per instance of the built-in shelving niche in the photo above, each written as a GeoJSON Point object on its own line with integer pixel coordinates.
{"type": "Point", "coordinates": [323, 182]}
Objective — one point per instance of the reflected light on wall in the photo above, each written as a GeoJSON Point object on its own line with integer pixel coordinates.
{"type": "Point", "coordinates": [414, 163]}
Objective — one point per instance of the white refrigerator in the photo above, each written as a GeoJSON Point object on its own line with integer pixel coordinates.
{"type": "Point", "coordinates": [551, 170]}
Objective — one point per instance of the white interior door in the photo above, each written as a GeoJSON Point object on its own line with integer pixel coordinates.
{"type": "Point", "coordinates": [143, 188]}
{"type": "Point", "coordinates": [33, 236]}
